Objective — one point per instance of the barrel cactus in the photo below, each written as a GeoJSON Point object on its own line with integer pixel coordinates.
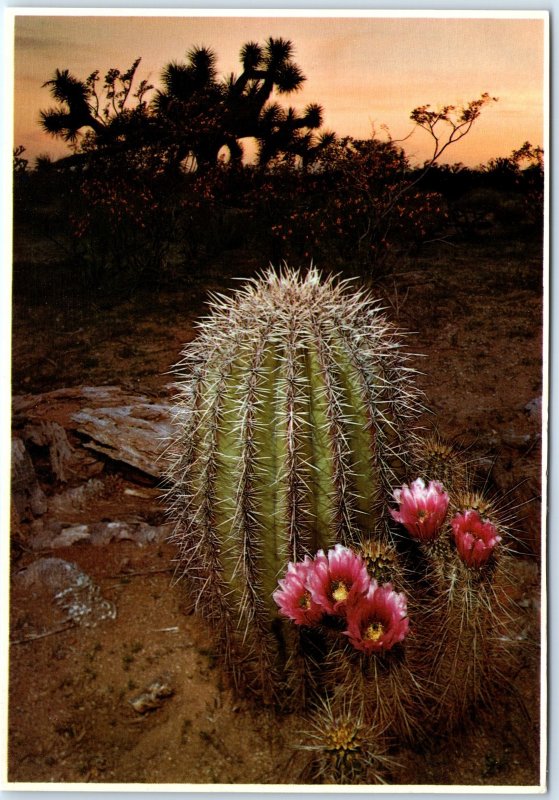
{"type": "Point", "coordinates": [322, 537]}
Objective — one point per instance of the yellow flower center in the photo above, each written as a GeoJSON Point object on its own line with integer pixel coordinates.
{"type": "Point", "coordinates": [374, 631]}
{"type": "Point", "coordinates": [339, 591]}
{"type": "Point", "coordinates": [305, 600]}
{"type": "Point", "coordinates": [343, 738]}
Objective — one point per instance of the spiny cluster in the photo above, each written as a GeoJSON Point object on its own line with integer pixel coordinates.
{"type": "Point", "coordinates": [295, 422]}
{"type": "Point", "coordinates": [343, 747]}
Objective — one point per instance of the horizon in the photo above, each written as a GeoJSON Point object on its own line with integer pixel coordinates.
{"type": "Point", "coordinates": [367, 72]}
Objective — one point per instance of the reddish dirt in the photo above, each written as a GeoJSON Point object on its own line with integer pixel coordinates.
{"type": "Point", "coordinates": [477, 314]}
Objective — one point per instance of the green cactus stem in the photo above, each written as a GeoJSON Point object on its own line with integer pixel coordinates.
{"type": "Point", "coordinates": [296, 409]}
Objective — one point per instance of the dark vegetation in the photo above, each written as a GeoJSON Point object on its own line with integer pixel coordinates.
{"type": "Point", "coordinates": [156, 186]}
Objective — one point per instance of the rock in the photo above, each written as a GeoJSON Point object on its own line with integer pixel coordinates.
{"type": "Point", "coordinates": [136, 434]}
{"type": "Point", "coordinates": [100, 534]}
{"type": "Point", "coordinates": [534, 409]}
{"type": "Point", "coordinates": [52, 435]}
{"type": "Point", "coordinates": [153, 697]}
{"type": "Point", "coordinates": [66, 538]}
{"type": "Point", "coordinates": [125, 427]}
{"type": "Point", "coordinates": [140, 532]}
{"type": "Point", "coordinates": [63, 593]}
{"type": "Point", "coordinates": [513, 438]}
{"type": "Point", "coordinates": [28, 498]}
{"type": "Point", "coordinates": [81, 427]}
{"type": "Point", "coordinates": [74, 500]}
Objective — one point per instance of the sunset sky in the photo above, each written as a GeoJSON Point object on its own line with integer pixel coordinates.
{"type": "Point", "coordinates": [366, 72]}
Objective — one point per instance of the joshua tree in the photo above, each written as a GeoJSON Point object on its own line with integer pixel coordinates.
{"type": "Point", "coordinates": [75, 111]}
{"type": "Point", "coordinates": [196, 112]}
{"type": "Point", "coordinates": [285, 132]}
{"type": "Point", "coordinates": [82, 108]}
{"type": "Point", "coordinates": [206, 114]}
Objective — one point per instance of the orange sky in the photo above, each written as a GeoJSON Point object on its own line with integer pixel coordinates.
{"type": "Point", "coordinates": [366, 72]}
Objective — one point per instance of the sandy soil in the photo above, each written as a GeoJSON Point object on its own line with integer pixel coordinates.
{"type": "Point", "coordinates": [476, 313]}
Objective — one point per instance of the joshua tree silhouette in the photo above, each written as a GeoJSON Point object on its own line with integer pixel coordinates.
{"type": "Point", "coordinates": [196, 112]}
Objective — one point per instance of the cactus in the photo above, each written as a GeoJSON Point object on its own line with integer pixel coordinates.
{"type": "Point", "coordinates": [296, 424]}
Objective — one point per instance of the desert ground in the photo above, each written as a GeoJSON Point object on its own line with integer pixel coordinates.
{"type": "Point", "coordinates": [118, 681]}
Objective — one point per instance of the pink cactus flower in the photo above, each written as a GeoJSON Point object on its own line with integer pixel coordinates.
{"type": "Point", "coordinates": [422, 509]}
{"type": "Point", "coordinates": [338, 580]}
{"type": "Point", "coordinates": [379, 620]}
{"type": "Point", "coordinates": [475, 538]}
{"type": "Point", "coordinates": [294, 598]}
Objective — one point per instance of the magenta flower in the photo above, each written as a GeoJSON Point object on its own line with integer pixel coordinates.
{"type": "Point", "coordinates": [475, 538]}
{"type": "Point", "coordinates": [338, 580]}
{"type": "Point", "coordinates": [294, 598]}
{"type": "Point", "coordinates": [422, 509]}
{"type": "Point", "coordinates": [379, 620]}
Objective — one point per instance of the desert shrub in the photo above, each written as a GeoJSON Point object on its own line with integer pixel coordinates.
{"type": "Point", "coordinates": [123, 218]}
{"type": "Point", "coordinates": [503, 197]}
{"type": "Point", "coordinates": [354, 205]}
{"type": "Point", "coordinates": [211, 215]}
{"type": "Point", "coordinates": [519, 179]}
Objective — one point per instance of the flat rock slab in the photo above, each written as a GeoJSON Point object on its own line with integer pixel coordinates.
{"type": "Point", "coordinates": [134, 429]}
{"type": "Point", "coordinates": [100, 534]}
{"type": "Point", "coordinates": [137, 434]}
